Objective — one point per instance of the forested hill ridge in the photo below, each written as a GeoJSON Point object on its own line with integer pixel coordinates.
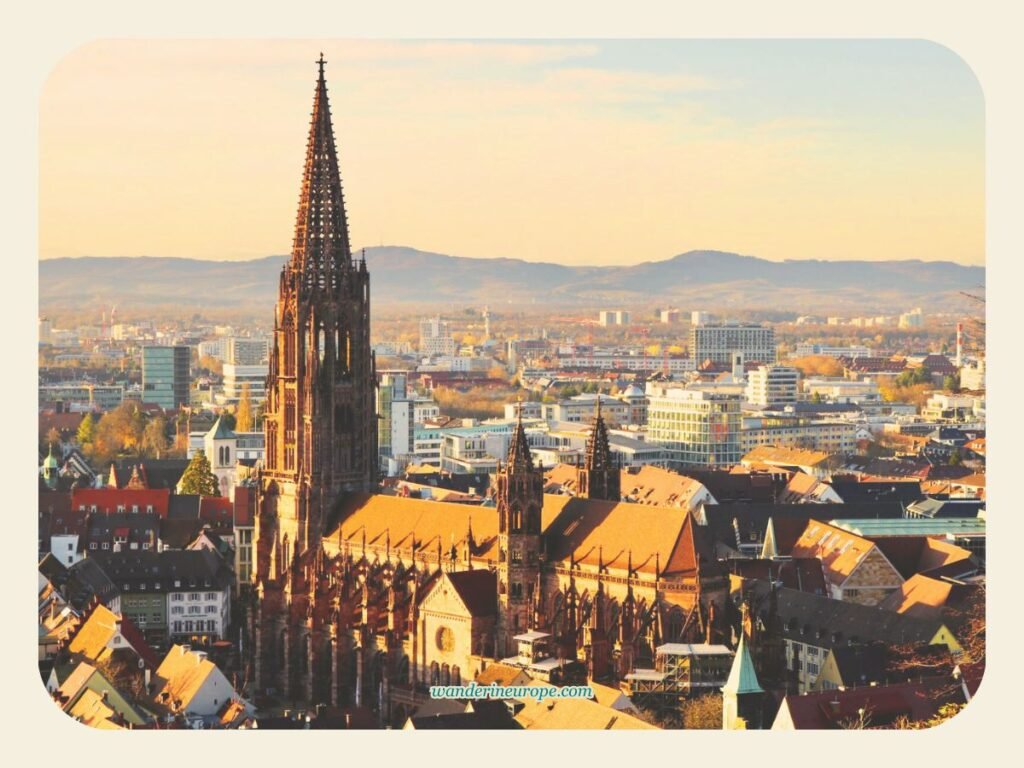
{"type": "Point", "coordinates": [400, 275]}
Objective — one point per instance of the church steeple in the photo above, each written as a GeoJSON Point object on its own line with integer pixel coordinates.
{"type": "Point", "coordinates": [320, 423]}
{"type": "Point", "coordinates": [519, 495]}
{"type": "Point", "coordinates": [320, 250]}
{"type": "Point", "coordinates": [598, 478]}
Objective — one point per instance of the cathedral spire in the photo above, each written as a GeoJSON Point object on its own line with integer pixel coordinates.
{"type": "Point", "coordinates": [519, 449]}
{"type": "Point", "coordinates": [598, 478]}
{"type": "Point", "coordinates": [321, 245]}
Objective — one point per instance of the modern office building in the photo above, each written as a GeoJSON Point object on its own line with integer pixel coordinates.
{"type": "Point", "coordinates": [435, 338]}
{"type": "Point", "coordinates": [718, 342]}
{"type": "Point", "coordinates": [81, 397]}
{"type": "Point", "coordinates": [773, 385]}
{"type": "Point", "coordinates": [237, 376]}
{"type": "Point", "coordinates": [165, 376]}
{"type": "Point", "coordinates": [696, 428]}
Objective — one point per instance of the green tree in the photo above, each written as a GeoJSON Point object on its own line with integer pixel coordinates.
{"type": "Point", "coordinates": [955, 459]}
{"type": "Point", "coordinates": [198, 478]}
{"type": "Point", "coordinates": [951, 383]}
{"type": "Point", "coordinates": [86, 430]}
{"type": "Point", "coordinates": [243, 414]}
{"type": "Point", "coordinates": [816, 398]}
{"type": "Point", "coordinates": [154, 437]}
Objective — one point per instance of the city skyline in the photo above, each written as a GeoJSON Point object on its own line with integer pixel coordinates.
{"type": "Point", "coordinates": [527, 145]}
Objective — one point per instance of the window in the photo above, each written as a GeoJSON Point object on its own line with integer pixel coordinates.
{"type": "Point", "coordinates": [211, 595]}
{"type": "Point", "coordinates": [149, 509]}
{"type": "Point", "coordinates": [211, 609]}
{"type": "Point", "coordinates": [92, 545]}
{"type": "Point", "coordinates": [106, 545]}
{"type": "Point", "coordinates": [135, 545]}
{"type": "Point", "coordinates": [135, 509]}
{"type": "Point", "coordinates": [177, 610]}
{"type": "Point", "coordinates": [120, 507]}
{"type": "Point", "coordinates": [176, 596]}
{"type": "Point", "coordinates": [193, 596]}
{"type": "Point", "coordinates": [177, 626]}
{"type": "Point", "coordinates": [812, 669]}
{"type": "Point", "coordinates": [71, 547]}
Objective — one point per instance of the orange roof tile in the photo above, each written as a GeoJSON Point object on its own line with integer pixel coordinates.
{"type": "Point", "coordinates": [840, 551]}
{"type": "Point", "coordinates": [182, 673]}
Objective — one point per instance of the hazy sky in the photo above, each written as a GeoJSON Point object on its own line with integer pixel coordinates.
{"type": "Point", "coordinates": [607, 152]}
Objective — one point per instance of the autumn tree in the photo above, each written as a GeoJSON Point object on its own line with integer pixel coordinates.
{"type": "Point", "coordinates": [119, 431]}
{"type": "Point", "coordinates": [702, 712]}
{"type": "Point", "coordinates": [53, 436]}
{"type": "Point", "coordinates": [817, 365]}
{"type": "Point", "coordinates": [198, 477]}
{"type": "Point", "coordinates": [154, 437]}
{"type": "Point", "coordinates": [243, 414]}
{"type": "Point", "coordinates": [86, 430]}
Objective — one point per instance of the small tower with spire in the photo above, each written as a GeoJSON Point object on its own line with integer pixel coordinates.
{"type": "Point", "coordinates": [742, 694]}
{"type": "Point", "coordinates": [598, 477]}
{"type": "Point", "coordinates": [519, 497]}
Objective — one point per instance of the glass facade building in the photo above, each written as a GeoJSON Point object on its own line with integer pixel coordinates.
{"type": "Point", "coordinates": [165, 376]}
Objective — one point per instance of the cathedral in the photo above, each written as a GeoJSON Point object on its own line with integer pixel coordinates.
{"type": "Point", "coordinates": [365, 599]}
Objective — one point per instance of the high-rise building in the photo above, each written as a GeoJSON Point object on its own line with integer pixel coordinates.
{"type": "Point", "coordinates": [242, 351]}
{"type": "Point", "coordinates": [236, 377]}
{"type": "Point", "coordinates": [435, 338]}
{"type": "Point", "coordinates": [613, 317]}
{"type": "Point", "coordinates": [717, 342]}
{"type": "Point", "coordinates": [773, 385]}
{"type": "Point", "coordinates": [165, 376]}
{"type": "Point", "coordinates": [392, 387]}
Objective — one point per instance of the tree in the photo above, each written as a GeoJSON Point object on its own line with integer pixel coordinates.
{"type": "Point", "coordinates": [198, 478]}
{"type": "Point", "coordinates": [951, 383]}
{"type": "Point", "coordinates": [955, 459]}
{"type": "Point", "coordinates": [53, 436]}
{"type": "Point", "coordinates": [702, 712]}
{"type": "Point", "coordinates": [243, 415]}
{"type": "Point", "coordinates": [118, 431]}
{"type": "Point", "coordinates": [816, 397]}
{"type": "Point", "coordinates": [86, 430]}
{"type": "Point", "coordinates": [154, 437]}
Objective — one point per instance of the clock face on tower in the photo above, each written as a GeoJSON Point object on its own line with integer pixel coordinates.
{"type": "Point", "coordinates": [445, 639]}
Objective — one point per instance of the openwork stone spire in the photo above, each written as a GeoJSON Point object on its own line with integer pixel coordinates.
{"type": "Point", "coordinates": [598, 478]}
{"type": "Point", "coordinates": [519, 449]}
{"type": "Point", "coordinates": [321, 247]}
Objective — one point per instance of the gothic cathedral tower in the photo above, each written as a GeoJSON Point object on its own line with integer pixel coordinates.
{"type": "Point", "coordinates": [519, 497]}
{"type": "Point", "coordinates": [599, 478]}
{"type": "Point", "coordinates": [320, 423]}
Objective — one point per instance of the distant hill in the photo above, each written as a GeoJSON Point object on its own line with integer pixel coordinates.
{"type": "Point", "coordinates": [697, 279]}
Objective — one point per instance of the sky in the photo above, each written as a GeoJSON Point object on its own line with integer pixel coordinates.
{"type": "Point", "coordinates": [572, 151]}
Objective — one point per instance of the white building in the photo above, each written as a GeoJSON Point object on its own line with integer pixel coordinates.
{"type": "Point", "coordinates": [912, 319]}
{"type": "Point", "coordinates": [669, 316]}
{"type": "Point", "coordinates": [840, 390]}
{"type": "Point", "coordinates": [718, 342]}
{"type": "Point", "coordinates": [608, 317]}
{"type": "Point", "coordinates": [237, 376]}
{"type": "Point", "coordinates": [773, 385]}
{"type": "Point", "coordinates": [808, 350]}
{"type": "Point", "coordinates": [435, 338]}
{"type": "Point", "coordinates": [698, 317]}
{"type": "Point", "coordinates": [695, 427]}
